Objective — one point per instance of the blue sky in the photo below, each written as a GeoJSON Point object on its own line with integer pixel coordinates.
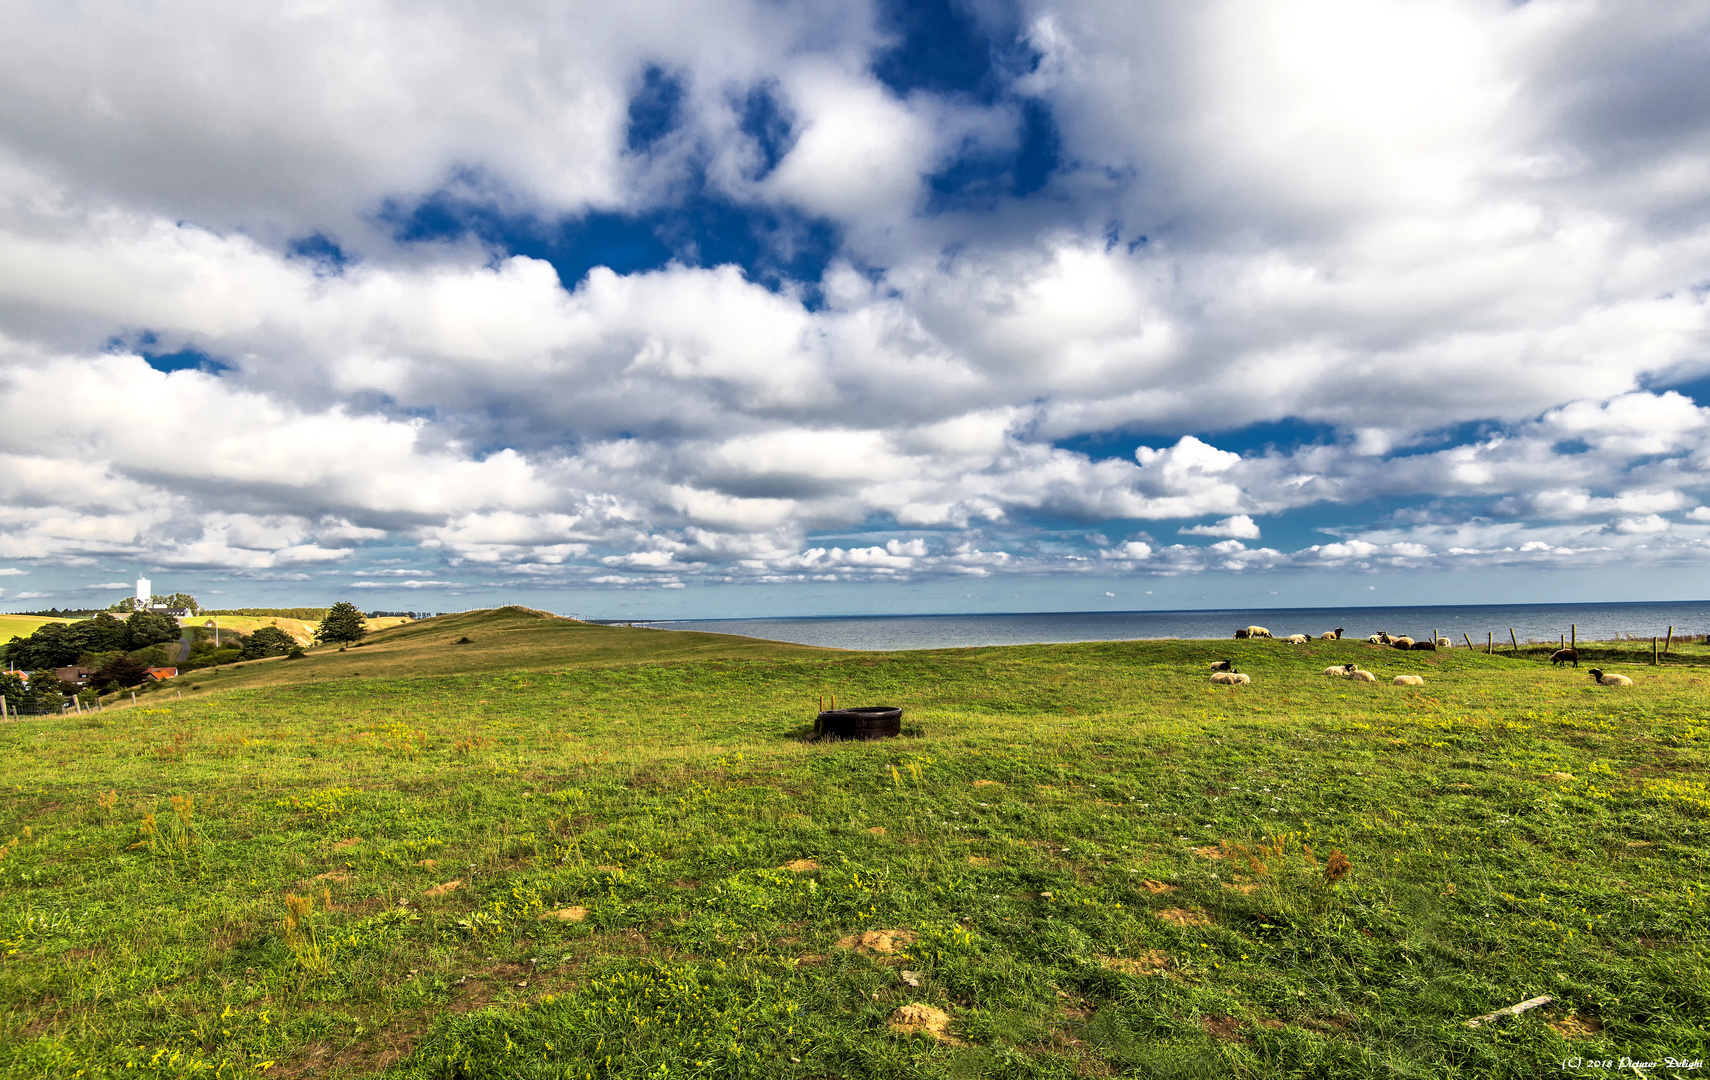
{"type": "Point", "coordinates": [806, 307]}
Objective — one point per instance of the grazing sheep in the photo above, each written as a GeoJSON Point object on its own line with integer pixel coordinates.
{"type": "Point", "coordinates": [1297, 639]}
{"type": "Point", "coordinates": [1333, 635]}
{"type": "Point", "coordinates": [1232, 678]}
{"type": "Point", "coordinates": [1240, 635]}
{"type": "Point", "coordinates": [1342, 671]}
{"type": "Point", "coordinates": [1564, 656]}
{"type": "Point", "coordinates": [1257, 632]}
{"type": "Point", "coordinates": [1402, 642]}
{"type": "Point", "coordinates": [1424, 646]}
{"type": "Point", "coordinates": [1362, 675]}
{"type": "Point", "coordinates": [1409, 680]}
{"type": "Point", "coordinates": [1444, 643]}
{"type": "Point", "coordinates": [1610, 679]}
{"type": "Point", "coordinates": [1223, 665]}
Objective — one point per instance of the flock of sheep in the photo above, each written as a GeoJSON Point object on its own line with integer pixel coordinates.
{"type": "Point", "coordinates": [1223, 671]}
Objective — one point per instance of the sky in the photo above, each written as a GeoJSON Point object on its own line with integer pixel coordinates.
{"type": "Point", "coordinates": [794, 307]}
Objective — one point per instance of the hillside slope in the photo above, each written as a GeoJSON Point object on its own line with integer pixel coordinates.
{"type": "Point", "coordinates": [501, 639]}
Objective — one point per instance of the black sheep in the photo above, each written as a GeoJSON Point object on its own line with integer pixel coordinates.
{"type": "Point", "coordinates": [1564, 656]}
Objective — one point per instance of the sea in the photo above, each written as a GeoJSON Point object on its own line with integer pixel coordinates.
{"type": "Point", "coordinates": [1527, 622]}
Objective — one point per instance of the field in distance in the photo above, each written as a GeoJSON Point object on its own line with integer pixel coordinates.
{"type": "Point", "coordinates": [22, 625]}
{"type": "Point", "coordinates": [563, 850]}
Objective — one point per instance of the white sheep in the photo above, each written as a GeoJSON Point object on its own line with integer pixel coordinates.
{"type": "Point", "coordinates": [1610, 679]}
{"type": "Point", "coordinates": [1223, 665]}
{"type": "Point", "coordinates": [1231, 678]}
{"type": "Point", "coordinates": [1377, 639]}
{"type": "Point", "coordinates": [1297, 639]}
{"type": "Point", "coordinates": [1341, 671]}
{"type": "Point", "coordinates": [1333, 635]}
{"type": "Point", "coordinates": [1257, 632]}
{"type": "Point", "coordinates": [1402, 642]}
{"type": "Point", "coordinates": [1444, 643]}
{"type": "Point", "coordinates": [1362, 675]}
{"type": "Point", "coordinates": [1409, 680]}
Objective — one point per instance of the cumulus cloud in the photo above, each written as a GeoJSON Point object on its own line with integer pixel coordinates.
{"type": "Point", "coordinates": [1239, 527]}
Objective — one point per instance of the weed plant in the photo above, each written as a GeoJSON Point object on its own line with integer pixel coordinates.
{"type": "Point", "coordinates": [1093, 860]}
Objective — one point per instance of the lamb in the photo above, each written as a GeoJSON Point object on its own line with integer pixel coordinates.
{"type": "Point", "coordinates": [1564, 656]}
{"type": "Point", "coordinates": [1231, 678]}
{"type": "Point", "coordinates": [1333, 635]}
{"type": "Point", "coordinates": [1409, 680]}
{"type": "Point", "coordinates": [1424, 646]}
{"type": "Point", "coordinates": [1240, 635]}
{"type": "Point", "coordinates": [1223, 665]}
{"type": "Point", "coordinates": [1297, 639]}
{"type": "Point", "coordinates": [1377, 639]}
{"type": "Point", "coordinates": [1402, 642]}
{"type": "Point", "coordinates": [1444, 643]}
{"type": "Point", "coordinates": [1610, 679]}
{"type": "Point", "coordinates": [1361, 675]}
{"type": "Point", "coordinates": [1341, 671]}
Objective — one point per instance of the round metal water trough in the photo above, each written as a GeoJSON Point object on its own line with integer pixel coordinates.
{"type": "Point", "coordinates": [869, 722]}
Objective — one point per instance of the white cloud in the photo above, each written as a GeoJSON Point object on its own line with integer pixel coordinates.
{"type": "Point", "coordinates": [1240, 527]}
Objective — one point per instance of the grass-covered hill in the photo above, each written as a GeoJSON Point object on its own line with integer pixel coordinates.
{"type": "Point", "coordinates": [572, 851]}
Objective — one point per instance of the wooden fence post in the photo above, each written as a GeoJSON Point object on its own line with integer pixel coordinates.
{"type": "Point", "coordinates": [1489, 642]}
{"type": "Point", "coordinates": [1670, 643]}
{"type": "Point", "coordinates": [1655, 660]}
{"type": "Point", "coordinates": [1514, 641]}
{"type": "Point", "coordinates": [1466, 639]}
{"type": "Point", "coordinates": [1573, 637]}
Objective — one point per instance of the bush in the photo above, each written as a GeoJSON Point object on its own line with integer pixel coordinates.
{"type": "Point", "coordinates": [268, 641]}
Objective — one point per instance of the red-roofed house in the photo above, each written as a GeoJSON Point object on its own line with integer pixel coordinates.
{"type": "Point", "coordinates": [163, 673]}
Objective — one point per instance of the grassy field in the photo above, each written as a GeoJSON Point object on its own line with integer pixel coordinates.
{"type": "Point", "coordinates": [572, 851]}
{"type": "Point", "coordinates": [302, 632]}
{"type": "Point", "coordinates": [22, 625]}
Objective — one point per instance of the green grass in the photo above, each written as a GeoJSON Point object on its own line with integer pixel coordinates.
{"type": "Point", "coordinates": [1512, 830]}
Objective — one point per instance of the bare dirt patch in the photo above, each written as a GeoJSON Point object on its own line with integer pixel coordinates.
{"type": "Point", "coordinates": [801, 866]}
{"type": "Point", "coordinates": [985, 783]}
{"type": "Point", "coordinates": [429, 864]}
{"type": "Point", "coordinates": [1150, 962]}
{"type": "Point", "coordinates": [442, 890]}
{"type": "Point", "coordinates": [1209, 851]}
{"type": "Point", "coordinates": [1246, 888]}
{"type": "Point", "coordinates": [1574, 1026]}
{"type": "Point", "coordinates": [1156, 888]}
{"type": "Point", "coordinates": [566, 914]}
{"type": "Point", "coordinates": [337, 877]}
{"type": "Point", "coordinates": [877, 830]}
{"type": "Point", "coordinates": [1183, 917]}
{"type": "Point", "coordinates": [978, 860]}
{"type": "Point", "coordinates": [1222, 1028]}
{"type": "Point", "coordinates": [347, 842]}
{"type": "Point", "coordinates": [919, 1019]}
{"type": "Point", "coordinates": [878, 942]}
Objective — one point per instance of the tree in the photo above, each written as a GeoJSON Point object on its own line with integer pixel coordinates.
{"type": "Point", "coordinates": [145, 628]}
{"type": "Point", "coordinates": [13, 689]}
{"type": "Point", "coordinates": [342, 625]}
{"type": "Point", "coordinates": [267, 641]}
{"type": "Point", "coordinates": [123, 670]}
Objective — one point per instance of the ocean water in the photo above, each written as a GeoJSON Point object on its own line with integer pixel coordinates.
{"type": "Point", "coordinates": [1540, 622]}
